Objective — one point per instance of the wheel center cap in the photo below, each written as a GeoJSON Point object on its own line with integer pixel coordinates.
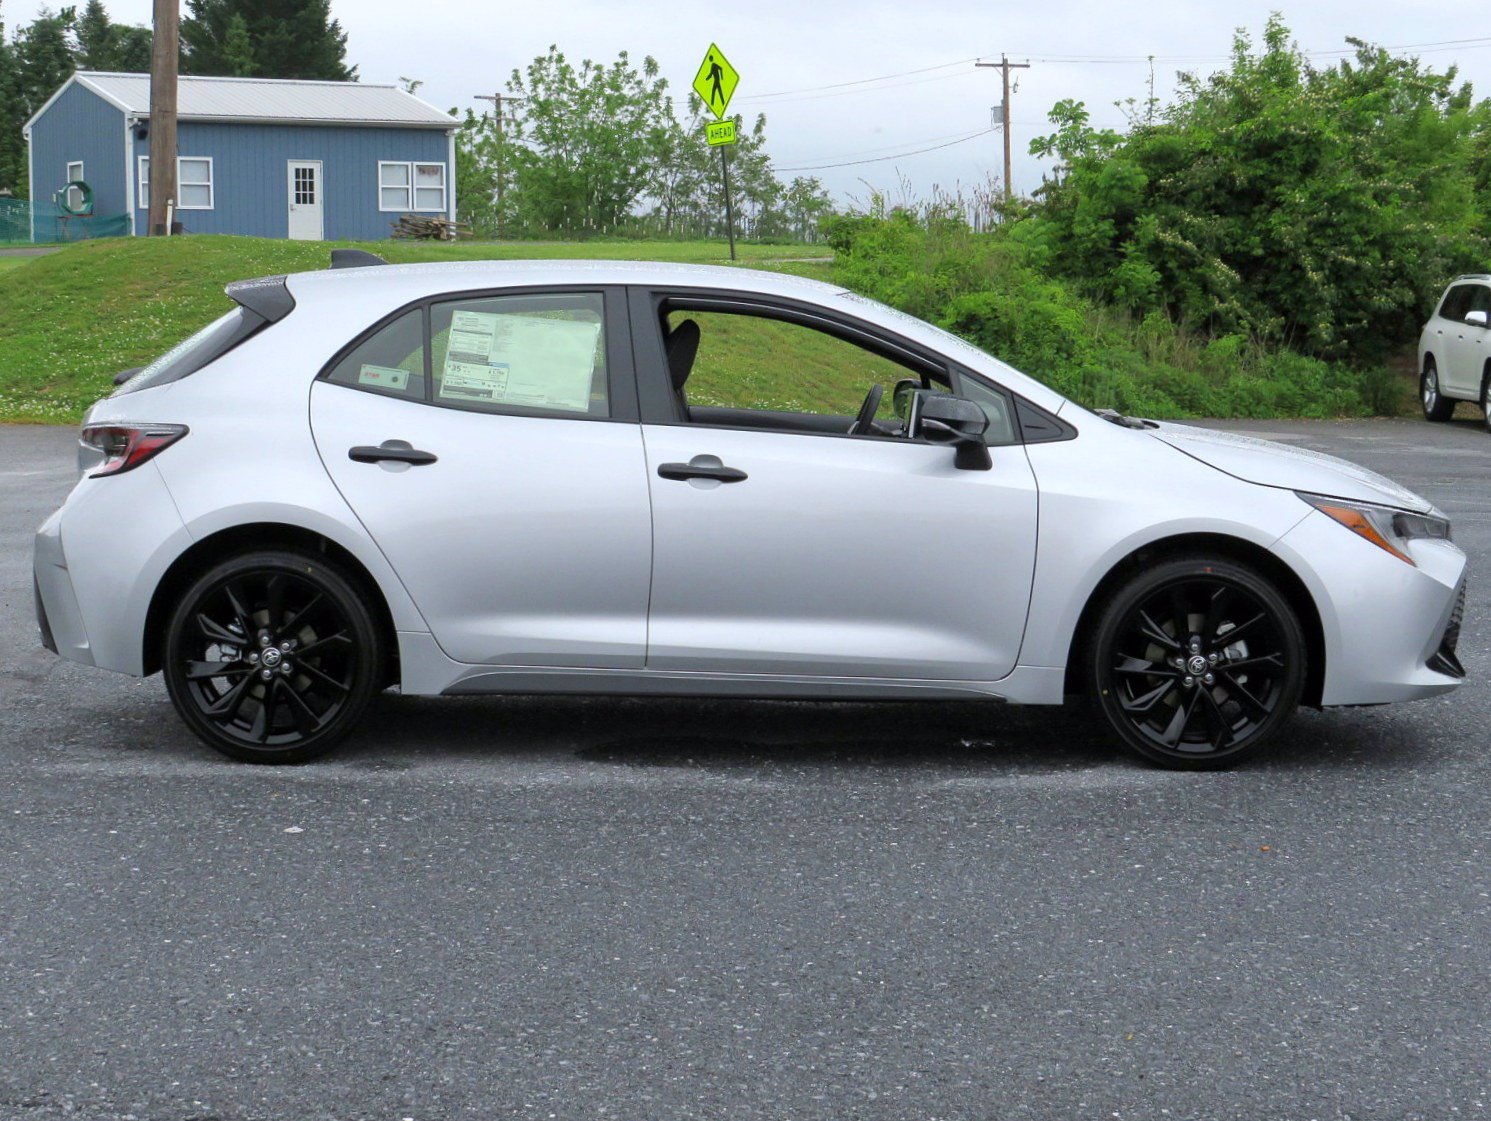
{"type": "Point", "coordinates": [272, 657]}
{"type": "Point", "coordinates": [1197, 664]}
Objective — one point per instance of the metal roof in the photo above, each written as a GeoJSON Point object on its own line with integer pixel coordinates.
{"type": "Point", "coordinates": [270, 99]}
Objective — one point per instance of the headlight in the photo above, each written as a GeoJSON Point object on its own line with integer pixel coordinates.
{"type": "Point", "coordinates": [1384, 526]}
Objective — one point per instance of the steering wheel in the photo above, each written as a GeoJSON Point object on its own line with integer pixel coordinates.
{"type": "Point", "coordinates": [865, 422]}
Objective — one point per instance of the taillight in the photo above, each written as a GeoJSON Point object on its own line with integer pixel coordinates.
{"type": "Point", "coordinates": [116, 448]}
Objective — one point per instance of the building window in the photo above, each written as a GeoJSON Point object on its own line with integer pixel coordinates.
{"type": "Point", "coordinates": [404, 187]}
{"type": "Point", "coordinates": [193, 183]}
{"type": "Point", "coordinates": [74, 195]}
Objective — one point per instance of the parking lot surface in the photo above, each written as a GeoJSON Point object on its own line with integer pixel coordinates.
{"type": "Point", "coordinates": [528, 908]}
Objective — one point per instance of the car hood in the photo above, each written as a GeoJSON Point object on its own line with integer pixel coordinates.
{"type": "Point", "coordinates": [1279, 465]}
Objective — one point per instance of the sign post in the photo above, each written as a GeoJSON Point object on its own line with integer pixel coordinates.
{"type": "Point", "coordinates": [715, 84]}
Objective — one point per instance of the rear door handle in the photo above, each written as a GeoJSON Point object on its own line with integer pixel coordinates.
{"type": "Point", "coordinates": [390, 451]}
{"type": "Point", "coordinates": [684, 471]}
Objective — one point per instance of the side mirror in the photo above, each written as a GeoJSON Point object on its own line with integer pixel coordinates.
{"type": "Point", "coordinates": [944, 419]}
{"type": "Point", "coordinates": [900, 396]}
{"type": "Point", "coordinates": [1477, 318]}
{"type": "Point", "coordinates": [124, 375]}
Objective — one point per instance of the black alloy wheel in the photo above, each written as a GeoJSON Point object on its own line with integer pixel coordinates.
{"type": "Point", "coordinates": [272, 657]}
{"type": "Point", "coordinates": [1437, 407]}
{"type": "Point", "coordinates": [1197, 662]}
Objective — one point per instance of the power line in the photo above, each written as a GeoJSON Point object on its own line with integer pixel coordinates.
{"type": "Point", "coordinates": [862, 92]}
{"type": "Point", "coordinates": [859, 81]}
{"type": "Point", "coordinates": [898, 156]}
{"type": "Point", "coordinates": [1101, 59]}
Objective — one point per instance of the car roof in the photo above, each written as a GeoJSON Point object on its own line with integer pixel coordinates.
{"type": "Point", "coordinates": [420, 280]}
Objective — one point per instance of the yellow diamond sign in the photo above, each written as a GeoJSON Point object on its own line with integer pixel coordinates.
{"type": "Point", "coordinates": [716, 81]}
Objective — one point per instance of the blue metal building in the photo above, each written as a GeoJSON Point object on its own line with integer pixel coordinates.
{"type": "Point", "coordinates": [263, 157]}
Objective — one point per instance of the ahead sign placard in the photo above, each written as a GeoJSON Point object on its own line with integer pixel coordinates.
{"type": "Point", "coordinates": [716, 81]}
{"type": "Point", "coordinates": [719, 132]}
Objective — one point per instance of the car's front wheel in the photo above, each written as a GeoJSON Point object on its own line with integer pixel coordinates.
{"type": "Point", "coordinates": [1437, 407]}
{"type": "Point", "coordinates": [272, 657]}
{"type": "Point", "coordinates": [1197, 662]}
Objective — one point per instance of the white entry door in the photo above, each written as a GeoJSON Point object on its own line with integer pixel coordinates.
{"type": "Point", "coordinates": [306, 222]}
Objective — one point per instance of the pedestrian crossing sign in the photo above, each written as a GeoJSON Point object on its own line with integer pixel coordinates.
{"type": "Point", "coordinates": [716, 81]}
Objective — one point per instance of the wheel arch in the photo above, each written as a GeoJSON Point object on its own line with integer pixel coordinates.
{"type": "Point", "coordinates": [202, 554]}
{"type": "Point", "coordinates": [1246, 552]}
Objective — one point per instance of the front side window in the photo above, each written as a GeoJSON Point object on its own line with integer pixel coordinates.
{"type": "Point", "coordinates": [1456, 303]}
{"type": "Point", "coordinates": [750, 362]}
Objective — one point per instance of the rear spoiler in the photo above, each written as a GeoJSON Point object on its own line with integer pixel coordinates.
{"type": "Point", "coordinates": [268, 297]}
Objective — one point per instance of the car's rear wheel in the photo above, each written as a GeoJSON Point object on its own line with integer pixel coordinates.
{"type": "Point", "coordinates": [1437, 407]}
{"type": "Point", "coordinates": [1197, 662]}
{"type": "Point", "coordinates": [272, 657]}
{"type": "Point", "coordinates": [1486, 400]}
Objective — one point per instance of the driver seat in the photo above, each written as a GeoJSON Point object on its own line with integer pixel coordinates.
{"type": "Point", "coordinates": [681, 347]}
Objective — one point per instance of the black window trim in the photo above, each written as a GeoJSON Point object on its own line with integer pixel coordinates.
{"type": "Point", "coordinates": [648, 304]}
{"type": "Point", "coordinates": [621, 379]}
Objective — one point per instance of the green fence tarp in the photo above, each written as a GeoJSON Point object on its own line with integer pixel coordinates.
{"type": "Point", "coordinates": [45, 223]}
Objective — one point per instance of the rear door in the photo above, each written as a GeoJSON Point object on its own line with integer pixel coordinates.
{"type": "Point", "coordinates": [490, 446]}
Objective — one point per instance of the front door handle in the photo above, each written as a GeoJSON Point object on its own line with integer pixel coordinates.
{"type": "Point", "coordinates": [684, 471]}
{"type": "Point", "coordinates": [390, 451]}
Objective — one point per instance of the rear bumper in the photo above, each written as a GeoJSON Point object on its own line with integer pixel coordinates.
{"type": "Point", "coordinates": [57, 612]}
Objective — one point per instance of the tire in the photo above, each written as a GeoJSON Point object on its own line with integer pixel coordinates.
{"type": "Point", "coordinates": [298, 654]}
{"type": "Point", "coordinates": [1437, 407]}
{"type": "Point", "coordinates": [1486, 400]}
{"type": "Point", "coordinates": [1227, 616]}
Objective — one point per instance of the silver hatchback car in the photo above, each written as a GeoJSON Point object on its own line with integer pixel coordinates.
{"type": "Point", "coordinates": [586, 478]}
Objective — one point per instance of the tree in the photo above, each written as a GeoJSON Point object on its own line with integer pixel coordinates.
{"type": "Point", "coordinates": [588, 140]}
{"type": "Point", "coordinates": [1321, 208]}
{"type": "Point", "coordinates": [44, 58]}
{"type": "Point", "coordinates": [12, 116]}
{"type": "Point", "coordinates": [103, 45]}
{"type": "Point", "coordinates": [265, 39]}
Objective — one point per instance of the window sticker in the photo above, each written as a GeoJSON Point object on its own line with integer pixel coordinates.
{"type": "Point", "coordinates": [520, 360]}
{"type": "Point", "coordinates": [388, 377]}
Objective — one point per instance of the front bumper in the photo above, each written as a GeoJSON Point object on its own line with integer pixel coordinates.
{"type": "Point", "coordinates": [1390, 628]}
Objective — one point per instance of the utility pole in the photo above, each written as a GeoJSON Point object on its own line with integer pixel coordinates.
{"type": "Point", "coordinates": [1004, 65]}
{"type": "Point", "coordinates": [497, 100]}
{"type": "Point", "coordinates": [165, 64]}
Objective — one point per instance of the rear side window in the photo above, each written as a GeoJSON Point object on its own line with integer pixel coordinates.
{"type": "Point", "coordinates": [206, 346]}
{"type": "Point", "coordinates": [540, 354]}
{"type": "Point", "coordinates": [390, 361]}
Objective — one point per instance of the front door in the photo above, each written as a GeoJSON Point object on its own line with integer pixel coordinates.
{"type": "Point", "coordinates": [305, 200]}
{"type": "Point", "coordinates": [835, 555]}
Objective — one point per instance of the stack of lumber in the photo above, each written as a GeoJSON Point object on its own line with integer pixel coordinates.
{"type": "Point", "coordinates": [429, 227]}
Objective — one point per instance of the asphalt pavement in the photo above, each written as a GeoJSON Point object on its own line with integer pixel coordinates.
{"type": "Point", "coordinates": [526, 908]}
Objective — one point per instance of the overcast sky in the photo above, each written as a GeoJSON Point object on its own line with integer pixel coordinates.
{"type": "Point", "coordinates": [460, 48]}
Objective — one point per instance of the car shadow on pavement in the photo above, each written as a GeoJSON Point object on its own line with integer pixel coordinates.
{"type": "Point", "coordinates": [742, 735]}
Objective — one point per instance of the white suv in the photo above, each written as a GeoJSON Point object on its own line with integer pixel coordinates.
{"type": "Point", "coordinates": [1455, 349]}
